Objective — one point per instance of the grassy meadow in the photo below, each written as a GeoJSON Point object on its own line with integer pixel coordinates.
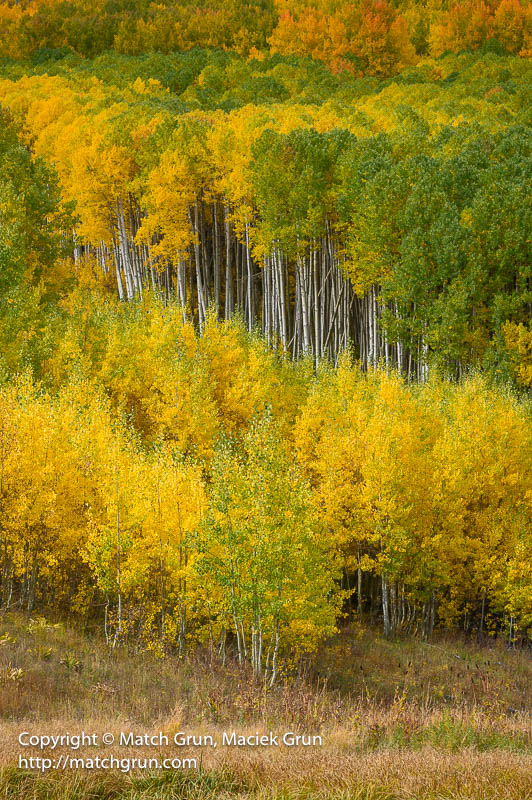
{"type": "Point", "coordinates": [399, 718]}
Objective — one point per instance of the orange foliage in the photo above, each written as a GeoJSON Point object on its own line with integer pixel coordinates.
{"type": "Point", "coordinates": [370, 35]}
{"type": "Point", "coordinates": [383, 40]}
{"type": "Point", "coordinates": [375, 37]}
{"type": "Point", "coordinates": [467, 25]}
{"type": "Point", "coordinates": [513, 27]}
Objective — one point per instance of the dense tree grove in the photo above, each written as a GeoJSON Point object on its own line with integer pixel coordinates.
{"type": "Point", "coordinates": [200, 487]}
{"type": "Point", "coordinates": [378, 38]}
{"type": "Point", "coordinates": [265, 334]}
{"type": "Point", "coordinates": [390, 216]}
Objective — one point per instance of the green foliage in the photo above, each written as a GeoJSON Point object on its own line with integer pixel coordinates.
{"type": "Point", "coordinates": [29, 213]}
{"type": "Point", "coordinates": [262, 548]}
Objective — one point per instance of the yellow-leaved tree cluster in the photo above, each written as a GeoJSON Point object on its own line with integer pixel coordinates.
{"type": "Point", "coordinates": [185, 488]}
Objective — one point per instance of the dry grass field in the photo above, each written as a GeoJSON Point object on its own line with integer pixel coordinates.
{"type": "Point", "coordinates": [399, 720]}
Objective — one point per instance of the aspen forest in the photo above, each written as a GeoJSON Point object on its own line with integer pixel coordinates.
{"type": "Point", "coordinates": [266, 342]}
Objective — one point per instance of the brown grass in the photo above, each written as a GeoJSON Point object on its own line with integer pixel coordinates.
{"type": "Point", "coordinates": [398, 719]}
{"type": "Point", "coordinates": [389, 775]}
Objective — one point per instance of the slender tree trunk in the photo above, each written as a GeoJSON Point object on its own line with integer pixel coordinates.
{"type": "Point", "coordinates": [229, 301]}
{"type": "Point", "coordinates": [385, 606]}
{"type": "Point", "coordinates": [118, 635]}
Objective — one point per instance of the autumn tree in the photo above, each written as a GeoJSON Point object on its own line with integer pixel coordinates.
{"type": "Point", "coordinates": [261, 548]}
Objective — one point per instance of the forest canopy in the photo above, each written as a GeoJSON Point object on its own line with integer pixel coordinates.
{"type": "Point", "coordinates": [378, 38]}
